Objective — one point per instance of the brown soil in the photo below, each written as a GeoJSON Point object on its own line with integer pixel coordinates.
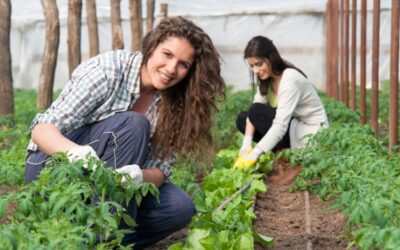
{"type": "Point", "coordinates": [281, 214]}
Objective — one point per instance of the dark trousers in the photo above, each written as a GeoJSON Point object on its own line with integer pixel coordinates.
{"type": "Point", "coordinates": [261, 116]}
{"type": "Point", "coordinates": [121, 140]}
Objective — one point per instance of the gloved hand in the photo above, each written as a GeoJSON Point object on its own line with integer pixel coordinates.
{"type": "Point", "coordinates": [82, 153]}
{"type": "Point", "coordinates": [246, 145]}
{"type": "Point", "coordinates": [248, 159]}
{"type": "Point", "coordinates": [133, 171]}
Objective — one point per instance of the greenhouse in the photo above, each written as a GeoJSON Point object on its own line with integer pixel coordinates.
{"type": "Point", "coordinates": [206, 124]}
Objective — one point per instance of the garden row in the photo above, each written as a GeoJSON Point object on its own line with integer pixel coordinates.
{"type": "Point", "coordinates": [225, 206]}
{"type": "Point", "coordinates": [345, 163]}
{"type": "Point", "coordinates": [348, 164]}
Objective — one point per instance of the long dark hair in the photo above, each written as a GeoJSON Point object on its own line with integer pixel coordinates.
{"type": "Point", "coordinates": [185, 110]}
{"type": "Point", "coordinates": [262, 47]}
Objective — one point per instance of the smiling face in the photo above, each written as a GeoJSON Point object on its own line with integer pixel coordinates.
{"type": "Point", "coordinates": [260, 67]}
{"type": "Point", "coordinates": [169, 63]}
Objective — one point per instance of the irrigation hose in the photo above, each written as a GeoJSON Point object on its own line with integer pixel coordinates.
{"type": "Point", "coordinates": [236, 194]}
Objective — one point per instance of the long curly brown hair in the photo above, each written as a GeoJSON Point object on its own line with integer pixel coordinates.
{"type": "Point", "coordinates": [184, 117]}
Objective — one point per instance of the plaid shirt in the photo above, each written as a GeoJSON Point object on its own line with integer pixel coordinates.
{"type": "Point", "coordinates": [99, 88]}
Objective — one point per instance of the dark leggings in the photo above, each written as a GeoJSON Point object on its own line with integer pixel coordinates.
{"type": "Point", "coordinates": [261, 116]}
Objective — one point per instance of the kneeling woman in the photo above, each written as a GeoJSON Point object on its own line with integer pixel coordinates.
{"type": "Point", "coordinates": [286, 107]}
{"type": "Point", "coordinates": [135, 110]}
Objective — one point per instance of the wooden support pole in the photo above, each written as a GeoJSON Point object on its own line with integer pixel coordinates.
{"type": "Point", "coordinates": [341, 50]}
{"type": "Point", "coordinates": [93, 32]}
{"type": "Point", "coordinates": [150, 15]}
{"type": "Point", "coordinates": [116, 26]}
{"type": "Point", "coordinates": [353, 65]}
{"type": "Point", "coordinates": [49, 60]}
{"type": "Point", "coordinates": [328, 42]}
{"type": "Point", "coordinates": [307, 207]}
{"type": "Point", "coordinates": [136, 24]}
{"type": "Point", "coordinates": [394, 75]}
{"type": "Point", "coordinates": [363, 62]}
{"type": "Point", "coordinates": [375, 68]}
{"type": "Point", "coordinates": [74, 34]}
{"type": "Point", "coordinates": [335, 49]}
{"type": "Point", "coordinates": [164, 10]}
{"type": "Point", "coordinates": [6, 81]}
{"type": "Point", "coordinates": [345, 89]}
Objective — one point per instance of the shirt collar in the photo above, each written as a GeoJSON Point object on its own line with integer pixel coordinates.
{"type": "Point", "coordinates": [134, 73]}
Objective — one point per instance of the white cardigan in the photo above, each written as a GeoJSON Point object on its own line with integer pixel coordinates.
{"type": "Point", "coordinates": [296, 98]}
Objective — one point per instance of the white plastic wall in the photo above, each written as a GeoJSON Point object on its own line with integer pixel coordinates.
{"type": "Point", "coordinates": [296, 27]}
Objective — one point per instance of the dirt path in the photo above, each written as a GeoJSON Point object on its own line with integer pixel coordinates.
{"type": "Point", "coordinates": [282, 215]}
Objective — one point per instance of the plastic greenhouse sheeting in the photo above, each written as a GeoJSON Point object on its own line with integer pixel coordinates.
{"type": "Point", "coordinates": [296, 27]}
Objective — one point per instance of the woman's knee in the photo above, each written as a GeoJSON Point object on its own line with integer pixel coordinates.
{"type": "Point", "coordinates": [134, 120]}
{"type": "Point", "coordinates": [181, 207]}
{"type": "Point", "coordinates": [241, 121]}
{"type": "Point", "coordinates": [121, 139]}
{"type": "Point", "coordinates": [261, 111]}
{"type": "Point", "coordinates": [134, 126]}
{"type": "Point", "coordinates": [34, 164]}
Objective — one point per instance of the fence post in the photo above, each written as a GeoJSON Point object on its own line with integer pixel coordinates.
{"type": "Point", "coordinates": [363, 62]}
{"type": "Point", "coordinates": [74, 34]}
{"type": "Point", "coordinates": [345, 82]}
{"type": "Point", "coordinates": [335, 49]}
{"type": "Point", "coordinates": [353, 54]}
{"type": "Point", "coordinates": [150, 15]}
{"type": "Point", "coordinates": [136, 24]}
{"type": "Point", "coordinates": [6, 82]}
{"type": "Point", "coordinates": [328, 44]}
{"type": "Point", "coordinates": [164, 10]}
{"type": "Point", "coordinates": [341, 50]}
{"type": "Point", "coordinates": [394, 75]}
{"type": "Point", "coordinates": [93, 31]}
{"type": "Point", "coordinates": [49, 60]}
{"type": "Point", "coordinates": [116, 27]}
{"type": "Point", "coordinates": [375, 68]}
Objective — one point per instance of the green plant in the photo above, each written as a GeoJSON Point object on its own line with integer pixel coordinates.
{"type": "Point", "coordinates": [348, 164]}
{"type": "Point", "coordinates": [70, 207]}
{"type": "Point", "coordinates": [228, 227]}
{"type": "Point", "coordinates": [225, 132]}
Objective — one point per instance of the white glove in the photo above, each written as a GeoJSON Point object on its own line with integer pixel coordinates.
{"type": "Point", "coordinates": [254, 154]}
{"type": "Point", "coordinates": [246, 145]}
{"type": "Point", "coordinates": [82, 153]}
{"type": "Point", "coordinates": [133, 171]}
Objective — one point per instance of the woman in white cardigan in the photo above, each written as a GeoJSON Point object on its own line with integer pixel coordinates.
{"type": "Point", "coordinates": [286, 108]}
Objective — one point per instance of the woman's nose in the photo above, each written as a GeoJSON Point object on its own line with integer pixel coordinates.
{"type": "Point", "coordinates": [171, 67]}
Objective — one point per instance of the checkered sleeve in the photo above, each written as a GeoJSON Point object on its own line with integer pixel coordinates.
{"type": "Point", "coordinates": [164, 165]}
{"type": "Point", "coordinates": [86, 90]}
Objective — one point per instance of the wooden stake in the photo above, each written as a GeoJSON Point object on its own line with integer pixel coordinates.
{"type": "Point", "coordinates": [49, 60]}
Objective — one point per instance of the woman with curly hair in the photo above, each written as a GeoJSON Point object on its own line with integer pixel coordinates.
{"type": "Point", "coordinates": [135, 111]}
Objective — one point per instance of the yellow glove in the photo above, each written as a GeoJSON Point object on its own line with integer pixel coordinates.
{"type": "Point", "coordinates": [244, 153]}
{"type": "Point", "coordinates": [242, 162]}
{"type": "Point", "coordinates": [249, 159]}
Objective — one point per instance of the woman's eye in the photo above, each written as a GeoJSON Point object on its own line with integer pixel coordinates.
{"type": "Point", "coordinates": [167, 54]}
{"type": "Point", "coordinates": [184, 65]}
